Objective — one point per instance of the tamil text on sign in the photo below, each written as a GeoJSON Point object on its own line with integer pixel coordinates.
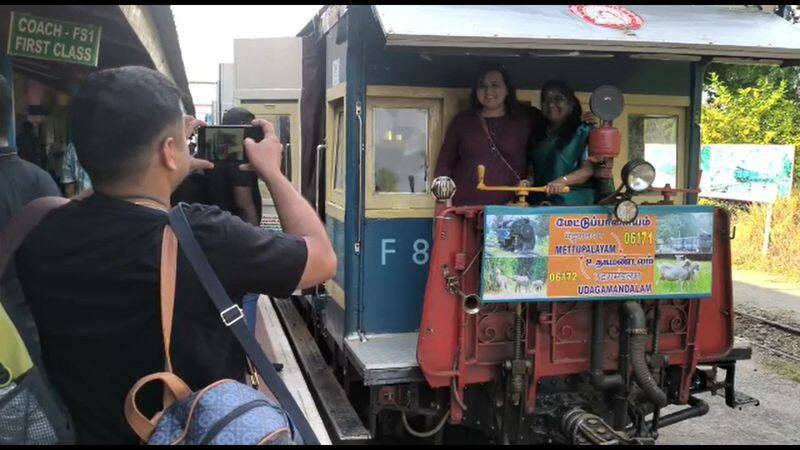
{"type": "Point", "coordinates": [547, 253]}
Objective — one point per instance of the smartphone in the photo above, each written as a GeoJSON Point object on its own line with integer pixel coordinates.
{"type": "Point", "coordinates": [225, 142]}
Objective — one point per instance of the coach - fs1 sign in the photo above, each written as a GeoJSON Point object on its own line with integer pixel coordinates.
{"type": "Point", "coordinates": [54, 40]}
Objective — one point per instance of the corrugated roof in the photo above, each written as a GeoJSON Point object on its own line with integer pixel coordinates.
{"type": "Point", "coordinates": [713, 30]}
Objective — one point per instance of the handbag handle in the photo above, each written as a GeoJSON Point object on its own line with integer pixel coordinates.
{"type": "Point", "coordinates": [175, 390]}
{"type": "Point", "coordinates": [232, 316]}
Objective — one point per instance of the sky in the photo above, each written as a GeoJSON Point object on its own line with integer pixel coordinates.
{"type": "Point", "coordinates": [206, 34]}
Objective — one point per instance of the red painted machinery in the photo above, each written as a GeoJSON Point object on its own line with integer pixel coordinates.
{"type": "Point", "coordinates": [571, 371]}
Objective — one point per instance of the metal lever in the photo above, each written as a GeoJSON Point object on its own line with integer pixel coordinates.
{"type": "Point", "coordinates": [522, 187]}
{"type": "Point", "coordinates": [520, 191]}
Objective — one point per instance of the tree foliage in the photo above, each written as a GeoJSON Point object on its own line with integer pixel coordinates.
{"type": "Point", "coordinates": [763, 113]}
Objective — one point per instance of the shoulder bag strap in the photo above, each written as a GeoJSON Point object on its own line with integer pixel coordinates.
{"type": "Point", "coordinates": [232, 316]}
{"type": "Point", "coordinates": [494, 148]}
{"type": "Point", "coordinates": [169, 266]}
{"type": "Point", "coordinates": [16, 230]}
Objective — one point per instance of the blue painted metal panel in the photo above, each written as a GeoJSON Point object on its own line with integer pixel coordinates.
{"type": "Point", "coordinates": [335, 230]}
{"type": "Point", "coordinates": [356, 88]}
{"type": "Point", "coordinates": [396, 254]}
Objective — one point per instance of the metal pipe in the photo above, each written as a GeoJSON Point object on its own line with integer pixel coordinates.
{"type": "Point", "coordinates": [599, 380]}
{"type": "Point", "coordinates": [656, 342]}
{"type": "Point", "coordinates": [621, 398]}
{"type": "Point", "coordinates": [638, 337]}
{"type": "Point", "coordinates": [696, 408]}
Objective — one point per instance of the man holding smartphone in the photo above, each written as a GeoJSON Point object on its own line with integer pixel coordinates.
{"type": "Point", "coordinates": [232, 189]}
{"type": "Point", "coordinates": [99, 314]}
{"type": "Point", "coordinates": [236, 191]}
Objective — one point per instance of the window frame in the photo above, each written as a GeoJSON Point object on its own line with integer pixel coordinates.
{"type": "Point", "coordinates": [262, 108]}
{"type": "Point", "coordinates": [402, 200]}
{"type": "Point", "coordinates": [336, 102]}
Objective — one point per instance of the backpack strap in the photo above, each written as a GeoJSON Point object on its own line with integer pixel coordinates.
{"type": "Point", "coordinates": [232, 316]}
{"type": "Point", "coordinates": [16, 230]}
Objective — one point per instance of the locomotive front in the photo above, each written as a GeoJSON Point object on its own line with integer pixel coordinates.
{"type": "Point", "coordinates": [571, 324]}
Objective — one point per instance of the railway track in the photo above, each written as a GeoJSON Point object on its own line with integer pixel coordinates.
{"type": "Point", "coordinates": [778, 338]}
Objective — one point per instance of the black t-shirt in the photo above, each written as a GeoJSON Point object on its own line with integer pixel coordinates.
{"type": "Point", "coordinates": [20, 182]}
{"type": "Point", "coordinates": [222, 179]}
{"type": "Point", "coordinates": [90, 271]}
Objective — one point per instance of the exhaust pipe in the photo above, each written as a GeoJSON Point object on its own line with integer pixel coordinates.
{"type": "Point", "coordinates": [471, 303]}
{"type": "Point", "coordinates": [635, 324]}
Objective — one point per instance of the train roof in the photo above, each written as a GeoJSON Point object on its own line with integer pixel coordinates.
{"type": "Point", "coordinates": [725, 32]}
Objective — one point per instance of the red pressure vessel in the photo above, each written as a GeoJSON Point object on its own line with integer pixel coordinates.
{"type": "Point", "coordinates": [604, 142]}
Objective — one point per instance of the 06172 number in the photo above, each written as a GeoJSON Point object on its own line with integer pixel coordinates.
{"type": "Point", "coordinates": [562, 276]}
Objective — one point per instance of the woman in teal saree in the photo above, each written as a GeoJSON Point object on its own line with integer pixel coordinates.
{"type": "Point", "coordinates": [558, 151]}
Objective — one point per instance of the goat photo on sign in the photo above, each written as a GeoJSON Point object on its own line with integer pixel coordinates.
{"type": "Point", "coordinates": [683, 253]}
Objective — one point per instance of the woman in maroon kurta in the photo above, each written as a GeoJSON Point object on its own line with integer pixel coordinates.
{"type": "Point", "coordinates": [466, 144]}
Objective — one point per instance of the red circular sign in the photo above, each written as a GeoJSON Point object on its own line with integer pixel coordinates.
{"type": "Point", "coordinates": [609, 16]}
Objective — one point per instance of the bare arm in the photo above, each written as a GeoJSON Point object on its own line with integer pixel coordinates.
{"type": "Point", "coordinates": [578, 176]}
{"type": "Point", "coordinates": [243, 197]}
{"type": "Point", "coordinates": [296, 214]}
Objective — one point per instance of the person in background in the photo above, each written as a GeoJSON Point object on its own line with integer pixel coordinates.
{"type": "Point", "coordinates": [237, 191]}
{"type": "Point", "coordinates": [74, 178]}
{"type": "Point", "coordinates": [494, 133]}
{"type": "Point", "coordinates": [55, 160]}
{"type": "Point", "coordinates": [99, 311]}
{"type": "Point", "coordinates": [232, 189]}
{"type": "Point", "coordinates": [28, 144]}
{"type": "Point", "coordinates": [559, 154]}
{"type": "Point", "coordinates": [20, 182]}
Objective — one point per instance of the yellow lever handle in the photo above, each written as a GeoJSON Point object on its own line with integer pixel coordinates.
{"type": "Point", "coordinates": [483, 187]}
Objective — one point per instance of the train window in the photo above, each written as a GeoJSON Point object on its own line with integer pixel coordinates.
{"type": "Point", "coordinates": [339, 152]}
{"type": "Point", "coordinates": [400, 139]}
{"type": "Point", "coordinates": [655, 139]}
{"type": "Point", "coordinates": [336, 156]}
{"type": "Point", "coordinates": [402, 136]}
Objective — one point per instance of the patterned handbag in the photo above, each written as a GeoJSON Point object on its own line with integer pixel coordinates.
{"type": "Point", "coordinates": [225, 412]}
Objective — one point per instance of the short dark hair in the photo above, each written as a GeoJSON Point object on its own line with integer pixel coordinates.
{"type": "Point", "coordinates": [6, 105]}
{"type": "Point", "coordinates": [116, 115]}
{"type": "Point", "coordinates": [511, 98]}
{"type": "Point", "coordinates": [238, 116]}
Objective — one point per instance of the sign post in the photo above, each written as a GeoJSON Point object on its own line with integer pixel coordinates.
{"type": "Point", "coordinates": [53, 40]}
{"type": "Point", "coordinates": [767, 229]}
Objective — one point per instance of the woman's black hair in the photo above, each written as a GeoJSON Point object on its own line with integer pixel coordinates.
{"type": "Point", "coordinates": [572, 122]}
{"type": "Point", "coordinates": [511, 97]}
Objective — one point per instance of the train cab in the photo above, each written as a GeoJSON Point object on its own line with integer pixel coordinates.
{"type": "Point", "coordinates": [419, 323]}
